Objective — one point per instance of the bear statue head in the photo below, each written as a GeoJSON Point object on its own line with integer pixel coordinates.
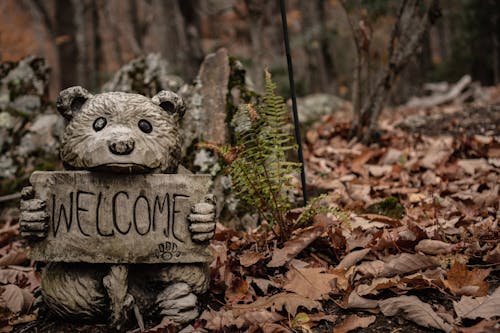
{"type": "Point", "coordinates": [121, 132]}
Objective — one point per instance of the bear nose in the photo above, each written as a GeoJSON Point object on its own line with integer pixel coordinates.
{"type": "Point", "coordinates": [121, 147]}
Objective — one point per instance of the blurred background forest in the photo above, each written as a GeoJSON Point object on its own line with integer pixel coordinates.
{"type": "Point", "coordinates": [86, 41]}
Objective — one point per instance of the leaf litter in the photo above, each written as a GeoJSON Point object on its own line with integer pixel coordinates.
{"type": "Point", "coordinates": [419, 248]}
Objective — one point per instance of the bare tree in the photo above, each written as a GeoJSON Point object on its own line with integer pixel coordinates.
{"type": "Point", "coordinates": [407, 35]}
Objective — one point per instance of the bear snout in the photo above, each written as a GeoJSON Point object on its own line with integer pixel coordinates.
{"type": "Point", "coordinates": [121, 147]}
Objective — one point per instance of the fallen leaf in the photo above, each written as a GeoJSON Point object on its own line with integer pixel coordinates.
{"type": "Point", "coordinates": [316, 317]}
{"type": "Point", "coordinates": [362, 158]}
{"type": "Point", "coordinates": [14, 257]}
{"type": "Point", "coordinates": [379, 170]}
{"type": "Point", "coordinates": [164, 326]}
{"type": "Point", "coordinates": [397, 264]}
{"type": "Point", "coordinates": [377, 284]}
{"type": "Point", "coordinates": [250, 258]}
{"type": "Point", "coordinates": [353, 322]}
{"type": "Point", "coordinates": [493, 256]}
{"type": "Point", "coordinates": [262, 284]}
{"type": "Point", "coordinates": [23, 319]}
{"type": "Point", "coordinates": [357, 302]}
{"type": "Point", "coordinates": [461, 281]}
{"type": "Point", "coordinates": [289, 301]}
{"type": "Point", "coordinates": [471, 166]}
{"type": "Point", "coordinates": [294, 246]}
{"type": "Point", "coordinates": [484, 326]}
{"type": "Point", "coordinates": [484, 307]}
{"type": "Point", "coordinates": [415, 310]}
{"type": "Point", "coordinates": [309, 282]}
{"type": "Point", "coordinates": [416, 197]}
{"type": "Point", "coordinates": [353, 258]}
{"type": "Point", "coordinates": [274, 328]}
{"type": "Point", "coordinates": [259, 317]}
{"type": "Point", "coordinates": [15, 299]}
{"type": "Point", "coordinates": [432, 246]}
{"type": "Point", "coordinates": [12, 276]}
{"type": "Point", "coordinates": [238, 290]}
{"type": "Point", "coordinates": [439, 151]}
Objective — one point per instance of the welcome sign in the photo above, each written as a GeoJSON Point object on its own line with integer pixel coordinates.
{"type": "Point", "coordinates": [114, 218]}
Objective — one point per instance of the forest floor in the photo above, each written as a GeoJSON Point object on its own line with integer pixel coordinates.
{"type": "Point", "coordinates": [417, 252]}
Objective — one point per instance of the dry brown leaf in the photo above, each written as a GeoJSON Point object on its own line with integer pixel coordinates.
{"type": "Point", "coordinates": [309, 282]}
{"type": "Point", "coordinates": [13, 276]}
{"type": "Point", "coordinates": [164, 326]}
{"type": "Point", "coordinates": [289, 301]}
{"type": "Point", "coordinates": [379, 170]}
{"type": "Point", "coordinates": [439, 151]}
{"type": "Point", "coordinates": [461, 281]}
{"type": "Point", "coordinates": [250, 258]}
{"type": "Point", "coordinates": [294, 246]}
{"type": "Point", "coordinates": [415, 310]}
{"type": "Point", "coordinates": [258, 318]}
{"type": "Point", "coordinates": [23, 319]}
{"type": "Point", "coordinates": [493, 256]}
{"type": "Point", "coordinates": [217, 320]}
{"type": "Point", "coordinates": [262, 284]}
{"type": "Point", "coordinates": [362, 158]}
{"type": "Point", "coordinates": [315, 317]}
{"type": "Point", "coordinates": [15, 299]}
{"type": "Point", "coordinates": [341, 281]}
{"type": "Point", "coordinates": [484, 326]}
{"type": "Point", "coordinates": [274, 328]}
{"type": "Point", "coordinates": [371, 268]}
{"type": "Point", "coordinates": [432, 246]}
{"type": "Point", "coordinates": [7, 231]}
{"type": "Point", "coordinates": [14, 257]}
{"type": "Point", "coordinates": [357, 302]}
{"type": "Point", "coordinates": [238, 290]}
{"type": "Point", "coordinates": [479, 307]}
{"type": "Point", "coordinates": [398, 264]}
{"type": "Point", "coordinates": [353, 322]}
{"type": "Point", "coordinates": [376, 285]}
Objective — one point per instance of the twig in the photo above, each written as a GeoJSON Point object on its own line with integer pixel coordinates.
{"type": "Point", "coordinates": [10, 197]}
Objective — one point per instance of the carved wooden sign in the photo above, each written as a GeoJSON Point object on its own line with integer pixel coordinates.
{"type": "Point", "coordinates": [113, 218]}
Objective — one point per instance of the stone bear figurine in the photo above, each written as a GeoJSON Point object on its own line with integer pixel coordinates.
{"type": "Point", "coordinates": [122, 133]}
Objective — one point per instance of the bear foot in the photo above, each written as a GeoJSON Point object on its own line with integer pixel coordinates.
{"type": "Point", "coordinates": [178, 303]}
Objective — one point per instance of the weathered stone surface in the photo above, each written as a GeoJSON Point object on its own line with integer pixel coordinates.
{"type": "Point", "coordinates": [312, 107]}
{"type": "Point", "coordinates": [146, 75]}
{"type": "Point", "coordinates": [109, 218]}
{"type": "Point", "coordinates": [206, 102]}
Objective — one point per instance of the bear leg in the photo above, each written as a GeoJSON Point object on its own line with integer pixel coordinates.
{"type": "Point", "coordinates": [75, 290]}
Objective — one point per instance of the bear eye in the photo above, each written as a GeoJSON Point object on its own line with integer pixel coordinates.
{"type": "Point", "coordinates": [145, 126]}
{"type": "Point", "coordinates": [99, 124]}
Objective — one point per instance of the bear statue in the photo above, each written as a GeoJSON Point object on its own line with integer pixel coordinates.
{"type": "Point", "coordinates": [121, 133]}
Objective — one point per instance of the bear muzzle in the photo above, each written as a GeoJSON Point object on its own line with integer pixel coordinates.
{"type": "Point", "coordinates": [121, 147]}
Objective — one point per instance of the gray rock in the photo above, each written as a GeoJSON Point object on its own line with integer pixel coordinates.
{"type": "Point", "coordinates": [147, 75]}
{"type": "Point", "coordinates": [6, 120]}
{"type": "Point", "coordinates": [40, 137]}
{"type": "Point", "coordinates": [312, 107]}
{"type": "Point", "coordinates": [206, 101]}
{"type": "Point", "coordinates": [7, 166]}
{"type": "Point", "coordinates": [27, 104]}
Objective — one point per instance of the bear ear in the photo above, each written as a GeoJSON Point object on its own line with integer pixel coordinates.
{"type": "Point", "coordinates": [71, 100]}
{"type": "Point", "coordinates": [170, 102]}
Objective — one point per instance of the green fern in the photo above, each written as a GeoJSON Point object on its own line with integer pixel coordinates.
{"type": "Point", "coordinates": [257, 164]}
{"type": "Point", "coordinates": [315, 207]}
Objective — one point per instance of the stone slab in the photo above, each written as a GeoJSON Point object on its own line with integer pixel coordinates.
{"type": "Point", "coordinates": [113, 218]}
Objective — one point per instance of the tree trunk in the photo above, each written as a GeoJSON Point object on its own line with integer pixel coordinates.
{"type": "Point", "coordinates": [65, 32]}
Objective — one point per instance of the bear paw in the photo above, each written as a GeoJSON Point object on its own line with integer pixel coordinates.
{"type": "Point", "coordinates": [202, 219]}
{"type": "Point", "coordinates": [34, 219]}
{"type": "Point", "coordinates": [178, 303]}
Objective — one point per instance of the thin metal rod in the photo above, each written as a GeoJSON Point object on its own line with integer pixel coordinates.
{"type": "Point", "coordinates": [294, 100]}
